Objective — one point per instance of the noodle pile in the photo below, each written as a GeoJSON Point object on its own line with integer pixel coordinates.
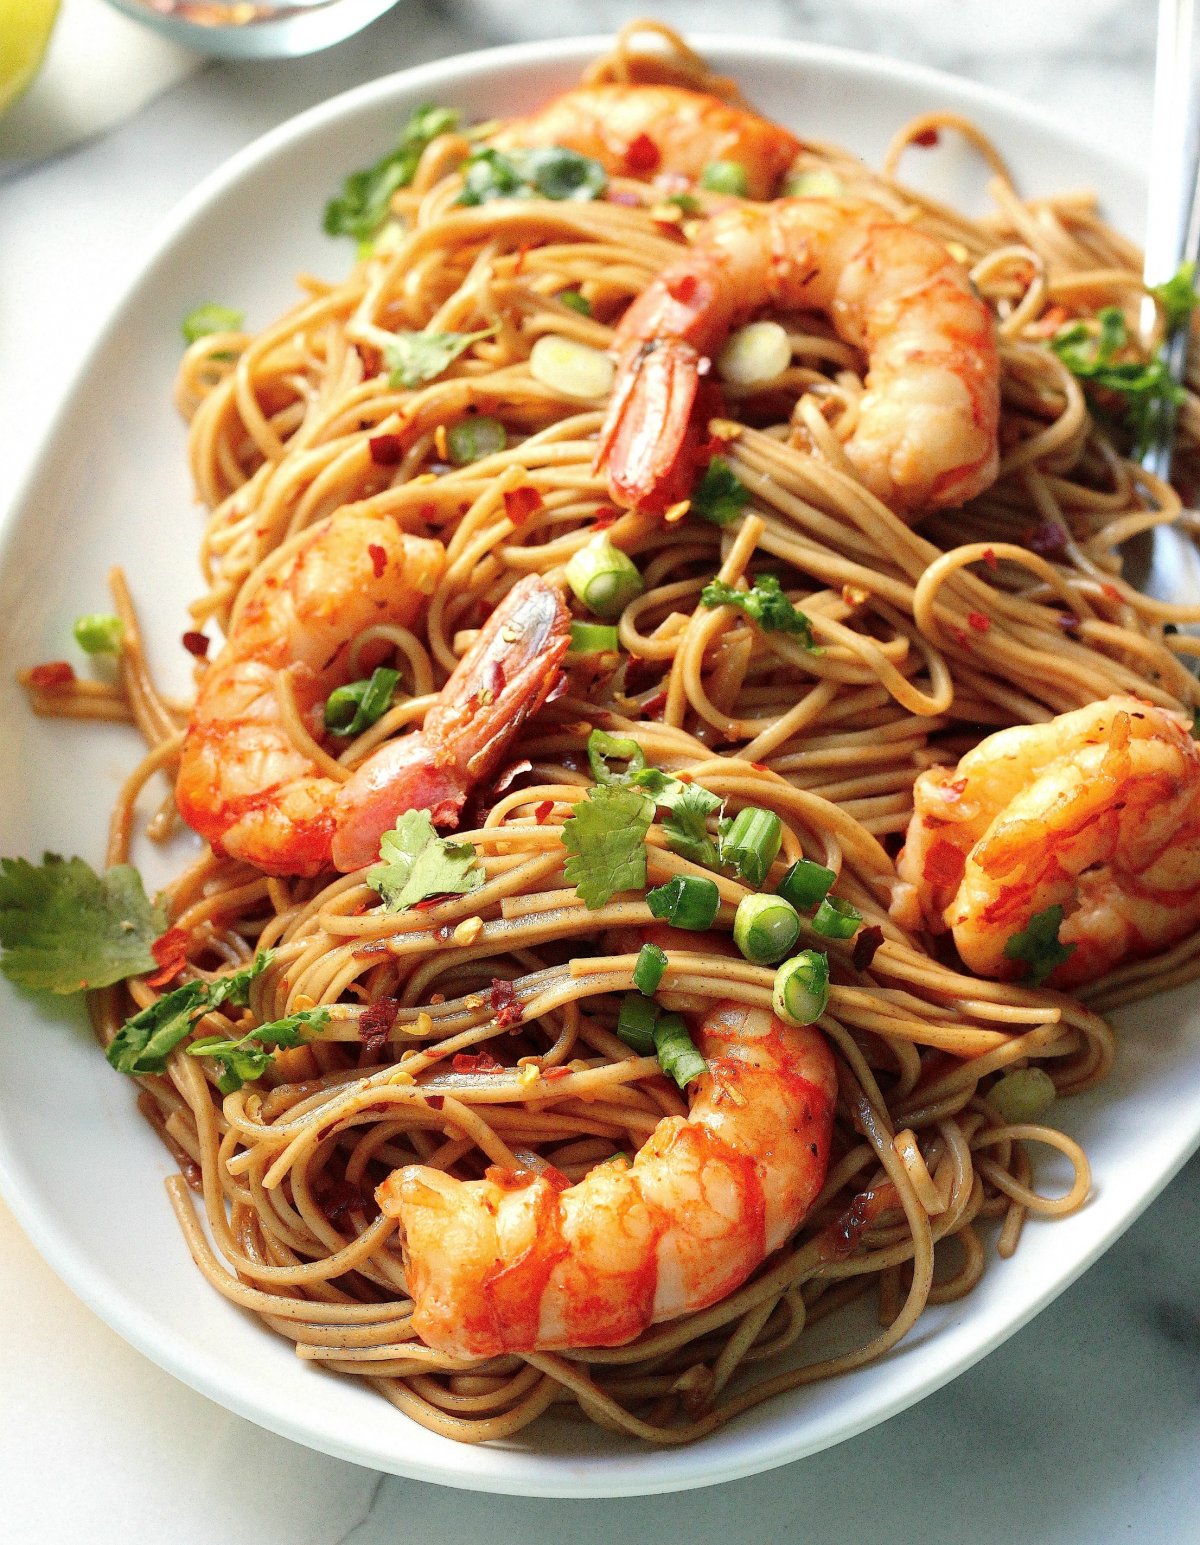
{"type": "Point", "coordinates": [1009, 611]}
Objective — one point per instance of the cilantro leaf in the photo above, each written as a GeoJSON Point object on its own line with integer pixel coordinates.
{"type": "Point", "coordinates": [65, 928]}
{"type": "Point", "coordinates": [766, 603]}
{"type": "Point", "coordinates": [1145, 385]}
{"type": "Point", "coordinates": [414, 358]}
{"type": "Point", "coordinates": [606, 838]}
{"type": "Point", "coordinates": [143, 1043]}
{"type": "Point", "coordinates": [247, 1058]}
{"type": "Point", "coordinates": [1177, 296]}
{"type": "Point", "coordinates": [1037, 946]}
{"type": "Point", "coordinates": [548, 171]}
{"type": "Point", "coordinates": [689, 806]}
{"type": "Point", "coordinates": [720, 493]}
{"type": "Point", "coordinates": [210, 318]}
{"type": "Point", "coordinates": [415, 863]}
{"type": "Point", "coordinates": [362, 206]}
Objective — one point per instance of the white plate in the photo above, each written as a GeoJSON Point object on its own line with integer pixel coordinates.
{"type": "Point", "coordinates": [79, 1168]}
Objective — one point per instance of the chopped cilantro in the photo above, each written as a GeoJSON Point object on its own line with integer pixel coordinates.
{"type": "Point", "coordinates": [720, 494]}
{"type": "Point", "coordinates": [362, 206]}
{"type": "Point", "coordinates": [1037, 946]}
{"type": "Point", "coordinates": [65, 928]}
{"type": "Point", "coordinates": [766, 603]}
{"type": "Point", "coordinates": [573, 300]}
{"type": "Point", "coordinates": [605, 836]}
{"type": "Point", "coordinates": [549, 171]}
{"type": "Point", "coordinates": [686, 823]}
{"type": "Point", "coordinates": [247, 1058]}
{"type": "Point", "coordinates": [1177, 296]}
{"type": "Point", "coordinates": [414, 358]}
{"type": "Point", "coordinates": [143, 1043]}
{"type": "Point", "coordinates": [415, 863]}
{"type": "Point", "coordinates": [1092, 355]}
{"type": "Point", "coordinates": [210, 318]}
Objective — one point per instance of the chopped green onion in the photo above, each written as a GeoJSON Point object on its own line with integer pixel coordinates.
{"type": "Point", "coordinates": [472, 439]}
{"type": "Point", "coordinates": [593, 638]}
{"type": "Point", "coordinates": [686, 901]}
{"type": "Point", "coordinates": [677, 1053]}
{"type": "Point", "coordinates": [351, 709]}
{"type": "Point", "coordinates": [573, 300]}
{"type": "Point", "coordinates": [636, 1021]}
{"type": "Point", "coordinates": [98, 633]}
{"type": "Point", "coordinates": [765, 928]}
{"type": "Point", "coordinates": [752, 842]}
{"type": "Point", "coordinates": [211, 318]}
{"type": "Point", "coordinates": [648, 973]}
{"type": "Point", "coordinates": [837, 919]}
{"type": "Point", "coordinates": [602, 747]}
{"type": "Point", "coordinates": [603, 577]}
{"type": "Point", "coordinates": [805, 884]}
{"type": "Point", "coordinates": [1023, 1095]}
{"type": "Point", "coordinates": [725, 177]}
{"type": "Point", "coordinates": [819, 182]}
{"type": "Point", "coordinates": [755, 354]}
{"type": "Point", "coordinates": [801, 988]}
{"type": "Point", "coordinates": [572, 368]}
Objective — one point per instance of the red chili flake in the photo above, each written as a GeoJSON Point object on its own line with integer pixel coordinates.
{"type": "Point", "coordinates": [989, 557]}
{"type": "Point", "coordinates": [542, 812]}
{"type": "Point", "coordinates": [519, 265]}
{"type": "Point", "coordinates": [653, 706]}
{"type": "Point", "coordinates": [683, 288]}
{"type": "Point", "coordinates": [979, 621]}
{"type": "Point", "coordinates": [959, 635]}
{"type": "Point", "coordinates": [520, 503]}
{"type": "Point", "coordinates": [53, 676]}
{"type": "Point", "coordinates": [435, 1101]}
{"type": "Point", "coordinates": [1069, 623]}
{"type": "Point", "coordinates": [1111, 592]}
{"type": "Point", "coordinates": [337, 1196]}
{"type": "Point", "coordinates": [1049, 539]}
{"type": "Point", "coordinates": [476, 1062]}
{"type": "Point", "coordinates": [553, 1074]}
{"type": "Point", "coordinates": [386, 450]}
{"type": "Point", "coordinates": [865, 945]}
{"type": "Point", "coordinates": [170, 952]}
{"type": "Point", "coordinates": [606, 518]}
{"type": "Point", "coordinates": [506, 1007]}
{"type": "Point", "coordinates": [197, 644]}
{"type": "Point", "coordinates": [944, 864]}
{"type": "Point", "coordinates": [431, 901]}
{"type": "Point", "coordinates": [378, 558]}
{"type": "Point", "coordinates": [760, 767]}
{"type": "Point", "coordinates": [375, 1024]}
{"type": "Point", "coordinates": [926, 139]}
{"type": "Point", "coordinates": [428, 512]}
{"type": "Point", "coordinates": [642, 155]}
{"type": "Point", "coordinates": [620, 196]}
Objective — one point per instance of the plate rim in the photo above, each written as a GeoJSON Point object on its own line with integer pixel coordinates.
{"type": "Point", "coordinates": [516, 1472]}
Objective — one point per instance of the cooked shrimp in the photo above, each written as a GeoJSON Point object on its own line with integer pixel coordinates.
{"type": "Point", "coordinates": [1096, 812]}
{"type": "Point", "coordinates": [504, 677]}
{"type": "Point", "coordinates": [514, 1262]}
{"type": "Point", "coordinates": [243, 782]}
{"type": "Point", "coordinates": [926, 429]}
{"type": "Point", "coordinates": [635, 131]}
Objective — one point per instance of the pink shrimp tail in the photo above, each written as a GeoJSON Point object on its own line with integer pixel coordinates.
{"type": "Point", "coordinates": [505, 676]}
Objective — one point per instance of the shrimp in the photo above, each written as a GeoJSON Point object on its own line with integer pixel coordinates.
{"type": "Point", "coordinates": [925, 435]}
{"type": "Point", "coordinates": [516, 1263]}
{"type": "Point", "coordinates": [1096, 812]}
{"type": "Point", "coordinates": [504, 677]}
{"type": "Point", "coordinates": [243, 783]}
{"type": "Point", "coordinates": [247, 787]}
{"type": "Point", "coordinates": [635, 131]}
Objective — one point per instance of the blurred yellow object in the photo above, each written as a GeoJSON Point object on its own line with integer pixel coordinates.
{"type": "Point", "coordinates": [25, 27]}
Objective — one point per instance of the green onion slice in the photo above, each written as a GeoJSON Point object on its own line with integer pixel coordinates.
{"type": "Point", "coordinates": [837, 919]}
{"type": "Point", "coordinates": [472, 439]}
{"type": "Point", "coordinates": [725, 177]}
{"type": "Point", "coordinates": [752, 842]}
{"type": "Point", "coordinates": [801, 988]}
{"type": "Point", "coordinates": [351, 709]}
{"type": "Point", "coordinates": [677, 1052]}
{"type": "Point", "coordinates": [574, 301]}
{"type": "Point", "coordinates": [686, 901]}
{"type": "Point", "coordinates": [648, 973]}
{"type": "Point", "coordinates": [636, 1022]}
{"type": "Point", "coordinates": [805, 884]}
{"type": "Point", "coordinates": [603, 577]}
{"type": "Point", "coordinates": [1025, 1094]}
{"type": "Point", "coordinates": [765, 928]}
{"type": "Point", "coordinates": [98, 633]}
{"type": "Point", "coordinates": [593, 638]}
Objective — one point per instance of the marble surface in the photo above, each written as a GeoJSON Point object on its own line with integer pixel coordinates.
{"type": "Point", "coordinates": [1082, 1430]}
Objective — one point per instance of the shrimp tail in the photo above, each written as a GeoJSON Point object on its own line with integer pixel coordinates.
{"type": "Point", "coordinates": [649, 437]}
{"type": "Point", "coordinates": [504, 677]}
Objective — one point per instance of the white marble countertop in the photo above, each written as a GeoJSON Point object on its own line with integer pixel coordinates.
{"type": "Point", "coordinates": [1084, 1428]}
